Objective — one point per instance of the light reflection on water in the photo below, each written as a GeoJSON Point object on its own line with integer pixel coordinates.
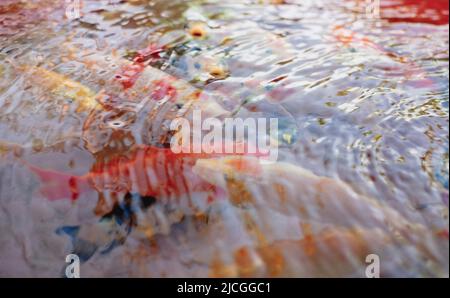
{"type": "Point", "coordinates": [361, 101]}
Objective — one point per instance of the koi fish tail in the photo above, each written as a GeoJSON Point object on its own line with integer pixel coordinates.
{"type": "Point", "coordinates": [59, 186]}
{"type": "Point", "coordinates": [54, 185]}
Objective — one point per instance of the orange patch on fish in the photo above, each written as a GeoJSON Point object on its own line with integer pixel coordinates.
{"type": "Point", "coordinates": [308, 244]}
{"type": "Point", "coordinates": [239, 195]}
{"type": "Point", "coordinates": [218, 269]}
{"type": "Point", "coordinates": [273, 259]}
{"type": "Point", "coordinates": [244, 262]}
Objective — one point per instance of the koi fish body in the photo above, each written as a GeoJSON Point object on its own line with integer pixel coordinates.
{"type": "Point", "coordinates": [60, 85]}
{"type": "Point", "coordinates": [309, 256]}
{"type": "Point", "coordinates": [152, 96]}
{"type": "Point", "coordinates": [149, 171]}
{"type": "Point", "coordinates": [291, 190]}
{"type": "Point", "coordinates": [157, 173]}
{"type": "Point", "coordinates": [136, 83]}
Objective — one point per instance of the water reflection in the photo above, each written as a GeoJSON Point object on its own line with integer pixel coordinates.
{"type": "Point", "coordinates": [85, 112]}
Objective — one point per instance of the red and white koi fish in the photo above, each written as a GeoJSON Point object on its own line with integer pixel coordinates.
{"type": "Point", "coordinates": [147, 171]}
{"type": "Point", "coordinates": [135, 77]}
{"type": "Point", "coordinates": [434, 12]}
{"type": "Point", "coordinates": [136, 82]}
{"type": "Point", "coordinates": [403, 11]}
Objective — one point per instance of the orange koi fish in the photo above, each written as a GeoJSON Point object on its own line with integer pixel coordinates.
{"type": "Point", "coordinates": [321, 199]}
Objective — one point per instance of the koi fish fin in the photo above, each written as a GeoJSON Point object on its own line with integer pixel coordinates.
{"type": "Point", "coordinates": [71, 231]}
{"type": "Point", "coordinates": [59, 186]}
{"type": "Point", "coordinates": [82, 248]}
{"type": "Point", "coordinates": [110, 247]}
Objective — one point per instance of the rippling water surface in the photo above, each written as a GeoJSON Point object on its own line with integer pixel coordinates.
{"type": "Point", "coordinates": [85, 112]}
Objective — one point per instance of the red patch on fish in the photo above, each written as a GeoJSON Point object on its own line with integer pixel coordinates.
{"type": "Point", "coordinates": [163, 89]}
{"type": "Point", "coordinates": [434, 12]}
{"type": "Point", "coordinates": [152, 52]}
{"type": "Point", "coordinates": [443, 234]}
{"type": "Point", "coordinates": [149, 171]}
{"type": "Point", "coordinates": [57, 185]}
{"type": "Point", "coordinates": [129, 74]}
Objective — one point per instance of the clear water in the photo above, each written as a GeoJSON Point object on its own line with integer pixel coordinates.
{"type": "Point", "coordinates": [362, 105]}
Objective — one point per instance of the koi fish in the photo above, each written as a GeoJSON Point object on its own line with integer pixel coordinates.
{"type": "Point", "coordinates": [160, 190]}
{"type": "Point", "coordinates": [146, 193]}
{"type": "Point", "coordinates": [136, 82]}
{"type": "Point", "coordinates": [247, 181]}
{"type": "Point", "coordinates": [333, 252]}
{"type": "Point", "coordinates": [149, 171]}
{"type": "Point", "coordinates": [321, 203]}
{"type": "Point", "coordinates": [133, 87]}
{"type": "Point", "coordinates": [153, 95]}
{"type": "Point", "coordinates": [203, 68]}
{"type": "Point", "coordinates": [42, 90]}
{"type": "Point", "coordinates": [59, 85]}
{"type": "Point", "coordinates": [411, 71]}
{"type": "Point", "coordinates": [415, 11]}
